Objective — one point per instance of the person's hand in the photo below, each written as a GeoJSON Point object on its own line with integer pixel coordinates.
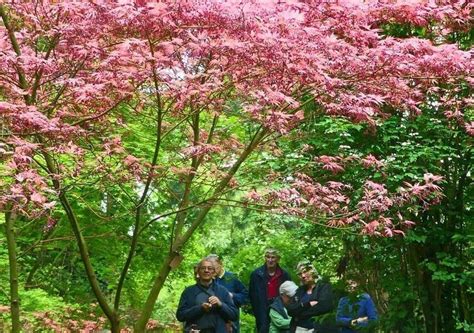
{"type": "Point", "coordinates": [360, 320]}
{"type": "Point", "coordinates": [313, 303]}
{"type": "Point", "coordinates": [206, 306]}
{"type": "Point", "coordinates": [215, 301]}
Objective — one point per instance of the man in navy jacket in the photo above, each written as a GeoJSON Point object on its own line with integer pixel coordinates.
{"type": "Point", "coordinates": [206, 306]}
{"type": "Point", "coordinates": [264, 287]}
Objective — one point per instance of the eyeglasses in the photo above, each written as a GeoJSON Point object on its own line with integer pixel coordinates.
{"type": "Point", "coordinates": [206, 268]}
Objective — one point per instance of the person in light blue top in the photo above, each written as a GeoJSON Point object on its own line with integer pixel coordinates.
{"type": "Point", "coordinates": [356, 312]}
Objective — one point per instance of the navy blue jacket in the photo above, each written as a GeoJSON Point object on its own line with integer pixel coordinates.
{"type": "Point", "coordinates": [347, 311]}
{"type": "Point", "coordinates": [303, 314]}
{"type": "Point", "coordinates": [258, 296]}
{"type": "Point", "coordinates": [190, 309]}
{"type": "Point", "coordinates": [239, 293]}
{"type": "Point", "coordinates": [230, 281]}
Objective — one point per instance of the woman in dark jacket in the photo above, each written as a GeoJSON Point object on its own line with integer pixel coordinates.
{"type": "Point", "coordinates": [314, 298]}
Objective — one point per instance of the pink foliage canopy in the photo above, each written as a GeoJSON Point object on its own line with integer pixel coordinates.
{"type": "Point", "coordinates": [76, 62]}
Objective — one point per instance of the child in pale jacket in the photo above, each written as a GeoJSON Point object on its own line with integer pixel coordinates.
{"type": "Point", "coordinates": [279, 318]}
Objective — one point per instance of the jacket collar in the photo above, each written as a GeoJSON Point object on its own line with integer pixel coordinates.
{"type": "Point", "coordinates": [279, 307]}
{"type": "Point", "coordinates": [262, 270]}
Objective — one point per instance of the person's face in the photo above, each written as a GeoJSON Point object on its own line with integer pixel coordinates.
{"type": "Point", "coordinates": [306, 278]}
{"type": "Point", "coordinates": [206, 271]}
{"type": "Point", "coordinates": [271, 260]}
{"type": "Point", "coordinates": [286, 299]}
{"type": "Point", "coordinates": [218, 267]}
{"type": "Point", "coordinates": [352, 285]}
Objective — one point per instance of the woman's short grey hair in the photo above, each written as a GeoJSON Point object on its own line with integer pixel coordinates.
{"type": "Point", "coordinates": [307, 266]}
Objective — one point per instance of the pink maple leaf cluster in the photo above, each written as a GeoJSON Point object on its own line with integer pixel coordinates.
{"type": "Point", "coordinates": [25, 191]}
{"type": "Point", "coordinates": [48, 322]}
{"type": "Point", "coordinates": [331, 163]}
{"type": "Point", "coordinates": [65, 322]}
{"type": "Point", "coordinates": [376, 200]}
{"type": "Point", "coordinates": [422, 192]}
{"type": "Point", "coordinates": [268, 51]}
{"type": "Point", "coordinates": [201, 149]}
{"type": "Point", "coordinates": [337, 164]}
{"type": "Point", "coordinates": [450, 15]}
{"type": "Point", "coordinates": [338, 205]}
{"type": "Point", "coordinates": [371, 161]}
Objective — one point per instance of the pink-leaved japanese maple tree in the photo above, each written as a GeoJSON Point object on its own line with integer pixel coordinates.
{"type": "Point", "coordinates": [75, 77]}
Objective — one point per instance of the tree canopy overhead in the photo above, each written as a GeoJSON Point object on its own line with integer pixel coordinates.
{"type": "Point", "coordinates": [67, 69]}
{"type": "Point", "coordinates": [155, 107]}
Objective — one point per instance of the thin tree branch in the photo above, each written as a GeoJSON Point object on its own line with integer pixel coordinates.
{"type": "Point", "coordinates": [81, 121]}
{"type": "Point", "coordinates": [16, 48]}
{"type": "Point", "coordinates": [141, 202]}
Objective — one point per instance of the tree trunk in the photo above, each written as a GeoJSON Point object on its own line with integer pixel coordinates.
{"type": "Point", "coordinates": [111, 315]}
{"type": "Point", "coordinates": [115, 325]}
{"type": "Point", "coordinates": [463, 306]}
{"type": "Point", "coordinates": [448, 299]}
{"type": "Point", "coordinates": [423, 292]}
{"type": "Point", "coordinates": [140, 325]}
{"type": "Point", "coordinates": [12, 260]}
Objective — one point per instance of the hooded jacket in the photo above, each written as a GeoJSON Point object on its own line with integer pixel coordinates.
{"type": "Point", "coordinates": [348, 309]}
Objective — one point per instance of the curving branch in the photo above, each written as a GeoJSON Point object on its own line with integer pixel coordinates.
{"type": "Point", "coordinates": [179, 242]}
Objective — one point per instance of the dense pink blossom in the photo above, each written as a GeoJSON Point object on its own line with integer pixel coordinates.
{"type": "Point", "coordinates": [80, 67]}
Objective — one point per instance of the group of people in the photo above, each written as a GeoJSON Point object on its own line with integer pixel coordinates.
{"type": "Point", "coordinates": [212, 305]}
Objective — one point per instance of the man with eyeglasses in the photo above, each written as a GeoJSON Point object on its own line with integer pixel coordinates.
{"type": "Point", "coordinates": [264, 287]}
{"type": "Point", "coordinates": [236, 289]}
{"type": "Point", "coordinates": [206, 307]}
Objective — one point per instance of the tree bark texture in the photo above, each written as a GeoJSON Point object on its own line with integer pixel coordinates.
{"type": "Point", "coordinates": [13, 265]}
